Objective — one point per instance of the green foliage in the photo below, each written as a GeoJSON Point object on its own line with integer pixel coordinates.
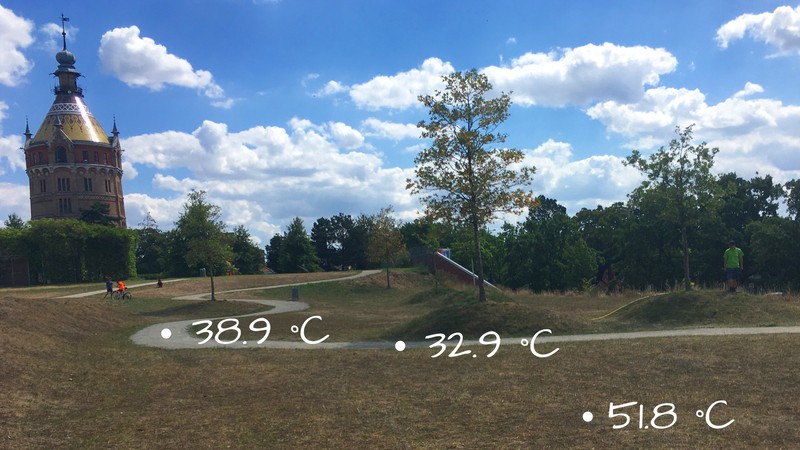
{"type": "Point", "coordinates": [432, 241]}
{"type": "Point", "coordinates": [151, 251]}
{"type": "Point", "coordinates": [386, 244]}
{"type": "Point", "coordinates": [466, 178]}
{"type": "Point", "coordinates": [69, 250]}
{"type": "Point", "coordinates": [296, 251]}
{"type": "Point", "coordinates": [341, 241]}
{"type": "Point", "coordinates": [14, 222]}
{"type": "Point", "coordinates": [202, 226]}
{"type": "Point", "coordinates": [99, 214]}
{"type": "Point", "coordinates": [775, 249]}
{"type": "Point", "coordinates": [793, 198]}
{"type": "Point", "coordinates": [356, 241]}
{"type": "Point", "coordinates": [273, 250]}
{"type": "Point", "coordinates": [681, 174]}
{"type": "Point", "coordinates": [547, 252]}
{"type": "Point", "coordinates": [323, 240]}
{"type": "Point", "coordinates": [248, 257]}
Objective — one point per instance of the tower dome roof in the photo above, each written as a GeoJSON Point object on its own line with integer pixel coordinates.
{"type": "Point", "coordinates": [74, 116]}
{"type": "Point", "coordinates": [77, 122]}
{"type": "Point", "coordinates": [65, 57]}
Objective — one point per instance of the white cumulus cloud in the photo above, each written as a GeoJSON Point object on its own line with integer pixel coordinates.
{"type": "Point", "coordinates": [129, 170]}
{"type": "Point", "coordinates": [582, 75]}
{"type": "Point", "coordinates": [15, 34]}
{"type": "Point", "coordinates": [308, 78]}
{"type": "Point", "coordinates": [140, 61]}
{"type": "Point", "coordinates": [307, 170]}
{"type": "Point", "coordinates": [10, 146]}
{"type": "Point", "coordinates": [346, 136]}
{"type": "Point", "coordinates": [400, 91]}
{"type": "Point", "coordinates": [749, 89]}
{"type": "Point", "coordinates": [164, 211]}
{"type": "Point", "coordinates": [752, 134]}
{"type": "Point", "coordinates": [599, 179]}
{"type": "Point", "coordinates": [390, 130]}
{"type": "Point", "coordinates": [780, 28]}
{"type": "Point", "coordinates": [53, 41]}
{"type": "Point", "coordinates": [15, 198]}
{"type": "Point", "coordinates": [332, 87]}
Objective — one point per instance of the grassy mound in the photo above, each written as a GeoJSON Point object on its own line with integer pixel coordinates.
{"type": "Point", "coordinates": [473, 320]}
{"type": "Point", "coordinates": [443, 296]}
{"type": "Point", "coordinates": [706, 308]}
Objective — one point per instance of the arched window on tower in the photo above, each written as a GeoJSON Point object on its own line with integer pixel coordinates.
{"type": "Point", "coordinates": [61, 155]}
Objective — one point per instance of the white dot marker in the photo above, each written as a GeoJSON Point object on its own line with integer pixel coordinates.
{"type": "Point", "coordinates": [588, 416]}
{"type": "Point", "coordinates": [166, 333]}
{"type": "Point", "coordinates": [400, 346]}
{"type": "Point", "coordinates": [244, 342]}
{"type": "Point", "coordinates": [474, 356]}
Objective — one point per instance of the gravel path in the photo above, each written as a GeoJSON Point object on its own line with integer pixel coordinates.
{"type": "Point", "coordinates": [181, 339]}
{"type": "Point", "coordinates": [103, 291]}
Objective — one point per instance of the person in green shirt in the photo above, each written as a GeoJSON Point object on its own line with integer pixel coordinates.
{"type": "Point", "coordinates": [733, 262]}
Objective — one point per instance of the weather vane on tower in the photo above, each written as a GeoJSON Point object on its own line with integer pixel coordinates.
{"type": "Point", "coordinates": [63, 30]}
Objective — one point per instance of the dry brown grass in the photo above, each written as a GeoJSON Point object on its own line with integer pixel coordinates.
{"type": "Point", "coordinates": [197, 285]}
{"type": "Point", "coordinates": [203, 285]}
{"type": "Point", "coordinates": [69, 378]}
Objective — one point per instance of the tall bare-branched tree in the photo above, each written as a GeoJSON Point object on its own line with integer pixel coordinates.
{"type": "Point", "coordinates": [465, 176]}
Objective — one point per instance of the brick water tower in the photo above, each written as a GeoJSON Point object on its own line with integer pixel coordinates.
{"type": "Point", "coordinates": [71, 162]}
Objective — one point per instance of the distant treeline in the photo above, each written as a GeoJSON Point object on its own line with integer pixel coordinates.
{"type": "Point", "coordinates": [628, 244]}
{"type": "Point", "coordinates": [631, 244]}
{"type": "Point", "coordinates": [625, 244]}
{"type": "Point", "coordinates": [71, 250]}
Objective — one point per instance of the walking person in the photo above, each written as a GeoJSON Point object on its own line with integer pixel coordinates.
{"type": "Point", "coordinates": [733, 262]}
{"type": "Point", "coordinates": [109, 287]}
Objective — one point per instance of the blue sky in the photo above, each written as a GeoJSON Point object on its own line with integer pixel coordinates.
{"type": "Point", "coordinates": [308, 108]}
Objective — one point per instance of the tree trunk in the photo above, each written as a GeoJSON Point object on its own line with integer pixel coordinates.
{"type": "Point", "coordinates": [435, 273]}
{"type": "Point", "coordinates": [211, 271]}
{"type": "Point", "coordinates": [688, 282]}
{"type": "Point", "coordinates": [481, 290]}
{"type": "Point", "coordinates": [387, 277]}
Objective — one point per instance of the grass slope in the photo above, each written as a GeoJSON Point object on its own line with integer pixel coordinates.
{"type": "Point", "coordinates": [70, 378]}
{"type": "Point", "coordinates": [711, 308]}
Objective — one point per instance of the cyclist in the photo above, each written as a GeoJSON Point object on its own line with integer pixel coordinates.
{"type": "Point", "coordinates": [121, 287]}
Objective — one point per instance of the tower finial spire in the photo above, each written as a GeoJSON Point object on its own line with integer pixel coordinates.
{"type": "Point", "coordinates": [63, 30]}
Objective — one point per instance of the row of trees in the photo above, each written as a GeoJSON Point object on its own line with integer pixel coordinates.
{"type": "Point", "coordinates": [93, 248]}
{"type": "Point", "coordinates": [340, 242]}
{"type": "Point", "coordinates": [71, 250]}
{"type": "Point", "coordinates": [199, 240]}
{"type": "Point", "coordinates": [634, 243]}
{"type": "Point", "coordinates": [682, 214]}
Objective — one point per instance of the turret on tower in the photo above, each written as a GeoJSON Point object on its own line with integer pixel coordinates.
{"type": "Point", "coordinates": [71, 162]}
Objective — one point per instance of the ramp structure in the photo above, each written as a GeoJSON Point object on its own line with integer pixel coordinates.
{"type": "Point", "coordinates": [441, 262]}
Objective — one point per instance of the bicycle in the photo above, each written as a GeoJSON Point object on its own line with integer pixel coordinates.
{"type": "Point", "coordinates": [124, 295]}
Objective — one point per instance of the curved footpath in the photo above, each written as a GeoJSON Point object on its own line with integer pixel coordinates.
{"type": "Point", "coordinates": [182, 339]}
{"type": "Point", "coordinates": [103, 291]}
